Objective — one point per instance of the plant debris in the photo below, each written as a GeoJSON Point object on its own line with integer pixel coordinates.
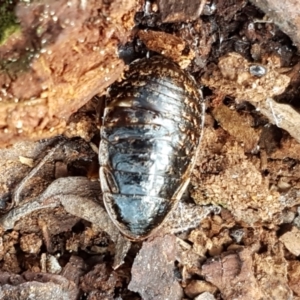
{"type": "Point", "coordinates": [235, 232]}
{"type": "Point", "coordinates": [155, 263]}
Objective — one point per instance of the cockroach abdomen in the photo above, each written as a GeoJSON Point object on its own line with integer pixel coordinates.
{"type": "Point", "coordinates": [150, 135]}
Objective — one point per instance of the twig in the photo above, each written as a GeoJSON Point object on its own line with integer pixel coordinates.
{"type": "Point", "coordinates": [16, 197]}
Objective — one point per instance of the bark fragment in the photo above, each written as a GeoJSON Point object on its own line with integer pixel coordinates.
{"type": "Point", "coordinates": [64, 54]}
{"type": "Point", "coordinates": [153, 270]}
{"type": "Point", "coordinates": [40, 286]}
{"type": "Point", "coordinates": [284, 14]}
{"type": "Point", "coordinates": [180, 11]}
{"type": "Point", "coordinates": [232, 274]}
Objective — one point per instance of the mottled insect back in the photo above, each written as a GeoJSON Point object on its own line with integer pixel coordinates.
{"type": "Point", "coordinates": [151, 131]}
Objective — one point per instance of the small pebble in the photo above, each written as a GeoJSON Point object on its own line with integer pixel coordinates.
{"type": "Point", "coordinates": [296, 222]}
{"type": "Point", "coordinates": [205, 296]}
{"type": "Point", "coordinates": [258, 71]}
{"type": "Point", "coordinates": [288, 217]}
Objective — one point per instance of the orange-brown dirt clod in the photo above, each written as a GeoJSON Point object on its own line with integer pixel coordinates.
{"type": "Point", "coordinates": [167, 45]}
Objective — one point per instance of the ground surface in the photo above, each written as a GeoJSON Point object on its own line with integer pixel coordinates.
{"type": "Point", "coordinates": [236, 232]}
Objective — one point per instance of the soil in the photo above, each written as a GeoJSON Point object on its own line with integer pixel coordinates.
{"type": "Point", "coordinates": [235, 233]}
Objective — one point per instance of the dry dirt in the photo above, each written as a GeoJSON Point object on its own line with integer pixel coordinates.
{"type": "Point", "coordinates": [236, 232]}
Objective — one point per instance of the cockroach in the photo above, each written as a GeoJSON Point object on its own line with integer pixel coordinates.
{"type": "Point", "coordinates": [150, 136]}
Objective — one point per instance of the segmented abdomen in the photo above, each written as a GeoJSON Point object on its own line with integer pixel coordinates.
{"type": "Point", "coordinates": [151, 131]}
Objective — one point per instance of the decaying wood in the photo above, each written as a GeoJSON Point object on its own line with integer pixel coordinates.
{"type": "Point", "coordinates": [61, 54]}
{"type": "Point", "coordinates": [284, 14]}
{"type": "Point", "coordinates": [242, 206]}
